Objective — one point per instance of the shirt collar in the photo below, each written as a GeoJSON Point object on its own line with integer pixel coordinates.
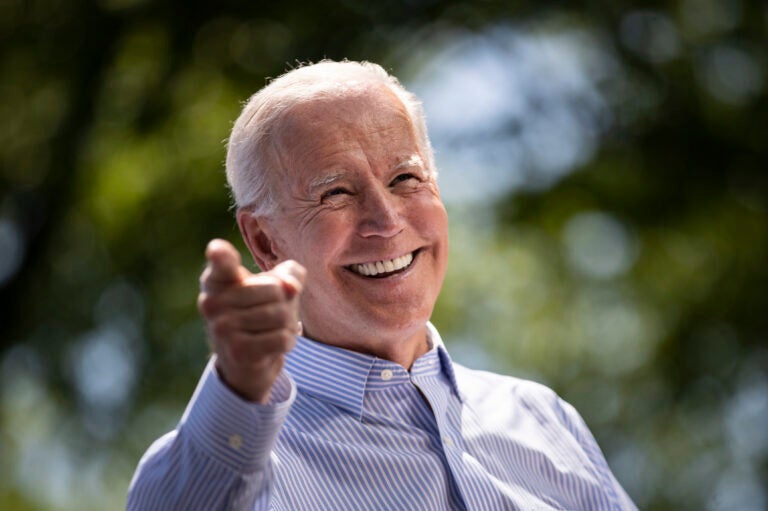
{"type": "Point", "coordinates": [342, 377]}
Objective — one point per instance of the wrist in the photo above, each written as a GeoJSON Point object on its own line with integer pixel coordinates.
{"type": "Point", "coordinates": [250, 393]}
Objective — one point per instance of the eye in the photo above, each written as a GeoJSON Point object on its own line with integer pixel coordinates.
{"type": "Point", "coordinates": [333, 192]}
{"type": "Point", "coordinates": [404, 177]}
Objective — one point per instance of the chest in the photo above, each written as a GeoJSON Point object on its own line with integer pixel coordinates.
{"type": "Point", "coordinates": [418, 454]}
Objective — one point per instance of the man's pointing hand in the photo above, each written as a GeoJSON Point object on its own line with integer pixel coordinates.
{"type": "Point", "coordinates": [252, 319]}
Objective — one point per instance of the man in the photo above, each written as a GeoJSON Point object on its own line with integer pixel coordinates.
{"type": "Point", "coordinates": [329, 388]}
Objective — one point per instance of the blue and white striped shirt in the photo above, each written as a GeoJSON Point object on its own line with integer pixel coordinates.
{"type": "Point", "coordinates": [348, 431]}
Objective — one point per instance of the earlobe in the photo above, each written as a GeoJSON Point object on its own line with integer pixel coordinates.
{"type": "Point", "coordinates": [257, 239]}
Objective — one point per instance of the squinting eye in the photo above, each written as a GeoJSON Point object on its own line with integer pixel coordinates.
{"type": "Point", "coordinates": [334, 191]}
{"type": "Point", "coordinates": [403, 177]}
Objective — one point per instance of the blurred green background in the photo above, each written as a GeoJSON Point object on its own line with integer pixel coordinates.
{"type": "Point", "coordinates": [604, 167]}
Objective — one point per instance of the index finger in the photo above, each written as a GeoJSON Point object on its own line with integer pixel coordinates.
{"type": "Point", "coordinates": [224, 268]}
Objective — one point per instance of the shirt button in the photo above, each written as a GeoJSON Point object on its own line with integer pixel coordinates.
{"type": "Point", "coordinates": [448, 441]}
{"type": "Point", "coordinates": [386, 374]}
{"type": "Point", "coordinates": [235, 441]}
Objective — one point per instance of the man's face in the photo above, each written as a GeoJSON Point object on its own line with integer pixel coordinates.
{"type": "Point", "coordinates": [359, 210]}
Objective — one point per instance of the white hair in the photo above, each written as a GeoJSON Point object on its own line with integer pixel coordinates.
{"type": "Point", "coordinates": [250, 150]}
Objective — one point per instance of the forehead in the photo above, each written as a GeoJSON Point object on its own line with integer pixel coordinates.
{"type": "Point", "coordinates": [343, 100]}
{"type": "Point", "coordinates": [368, 123]}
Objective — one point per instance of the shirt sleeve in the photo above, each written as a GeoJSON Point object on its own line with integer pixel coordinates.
{"type": "Point", "coordinates": [219, 457]}
{"type": "Point", "coordinates": [580, 431]}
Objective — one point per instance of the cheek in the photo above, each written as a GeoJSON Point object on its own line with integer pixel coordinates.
{"type": "Point", "coordinates": [323, 241]}
{"type": "Point", "coordinates": [431, 220]}
{"type": "Point", "coordinates": [435, 225]}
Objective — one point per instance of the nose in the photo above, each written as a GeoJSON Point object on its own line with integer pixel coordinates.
{"type": "Point", "coordinates": [379, 214]}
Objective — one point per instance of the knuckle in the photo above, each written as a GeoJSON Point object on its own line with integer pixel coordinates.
{"type": "Point", "coordinates": [271, 286]}
{"type": "Point", "coordinates": [204, 275]}
{"type": "Point", "coordinates": [298, 270]}
{"type": "Point", "coordinates": [206, 304]}
{"type": "Point", "coordinates": [272, 314]}
{"type": "Point", "coordinates": [274, 290]}
{"type": "Point", "coordinates": [205, 278]}
{"type": "Point", "coordinates": [281, 314]}
{"type": "Point", "coordinates": [287, 338]}
{"type": "Point", "coordinates": [221, 327]}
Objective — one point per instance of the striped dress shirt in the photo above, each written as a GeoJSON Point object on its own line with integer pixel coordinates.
{"type": "Point", "coordinates": [348, 431]}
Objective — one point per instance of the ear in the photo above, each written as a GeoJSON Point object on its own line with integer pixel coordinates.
{"type": "Point", "coordinates": [255, 233]}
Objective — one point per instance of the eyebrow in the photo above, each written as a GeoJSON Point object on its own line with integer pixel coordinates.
{"type": "Point", "coordinates": [321, 182]}
{"type": "Point", "coordinates": [324, 181]}
{"type": "Point", "coordinates": [412, 161]}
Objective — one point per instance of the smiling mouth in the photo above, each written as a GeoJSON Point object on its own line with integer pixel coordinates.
{"type": "Point", "coordinates": [384, 268]}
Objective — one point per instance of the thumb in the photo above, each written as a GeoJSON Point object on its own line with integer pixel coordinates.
{"type": "Point", "coordinates": [292, 275]}
{"type": "Point", "coordinates": [224, 266]}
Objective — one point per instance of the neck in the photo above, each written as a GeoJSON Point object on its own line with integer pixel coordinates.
{"type": "Point", "coordinates": [403, 350]}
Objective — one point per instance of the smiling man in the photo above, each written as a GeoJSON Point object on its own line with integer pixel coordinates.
{"type": "Point", "coordinates": [329, 388]}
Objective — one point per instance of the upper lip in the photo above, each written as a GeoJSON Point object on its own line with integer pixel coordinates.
{"type": "Point", "coordinates": [383, 258]}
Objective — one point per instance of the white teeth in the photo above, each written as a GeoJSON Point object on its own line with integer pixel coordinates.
{"type": "Point", "coordinates": [371, 269]}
